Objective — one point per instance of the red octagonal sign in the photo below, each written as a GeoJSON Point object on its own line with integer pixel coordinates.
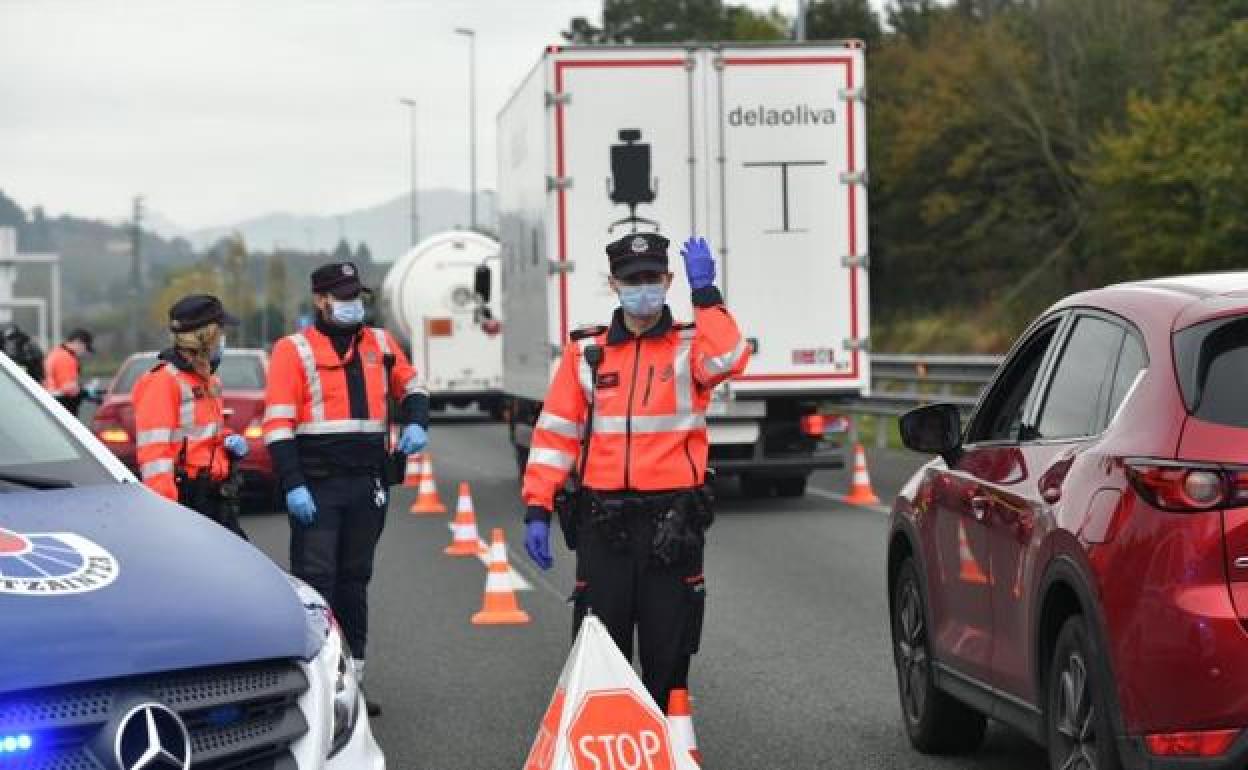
{"type": "Point", "coordinates": [615, 730]}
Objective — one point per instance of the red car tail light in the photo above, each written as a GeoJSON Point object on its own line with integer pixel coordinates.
{"type": "Point", "coordinates": [1205, 743]}
{"type": "Point", "coordinates": [1188, 487]}
{"type": "Point", "coordinates": [114, 436]}
{"type": "Point", "coordinates": [254, 431]}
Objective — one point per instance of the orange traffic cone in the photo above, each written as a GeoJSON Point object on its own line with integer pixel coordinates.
{"type": "Point", "coordinates": [680, 723]}
{"type": "Point", "coordinates": [969, 570]}
{"type": "Point", "coordinates": [411, 472]}
{"type": "Point", "coordinates": [499, 608]}
{"type": "Point", "coordinates": [860, 492]}
{"type": "Point", "coordinates": [427, 500]}
{"type": "Point", "coordinates": [464, 541]}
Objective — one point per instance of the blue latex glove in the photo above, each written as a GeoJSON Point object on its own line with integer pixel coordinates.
{"type": "Point", "coordinates": [236, 445]}
{"type": "Point", "coordinates": [537, 543]}
{"type": "Point", "coordinates": [413, 439]}
{"type": "Point", "coordinates": [699, 262]}
{"type": "Point", "coordinates": [301, 506]}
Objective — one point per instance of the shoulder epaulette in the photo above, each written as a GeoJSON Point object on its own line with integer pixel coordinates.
{"type": "Point", "coordinates": [585, 332]}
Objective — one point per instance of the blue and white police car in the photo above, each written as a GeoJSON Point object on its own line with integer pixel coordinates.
{"type": "Point", "coordinates": [137, 635]}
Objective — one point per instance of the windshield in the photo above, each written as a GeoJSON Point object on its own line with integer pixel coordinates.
{"type": "Point", "coordinates": [34, 443]}
{"type": "Point", "coordinates": [1212, 361]}
{"type": "Point", "coordinates": [238, 371]}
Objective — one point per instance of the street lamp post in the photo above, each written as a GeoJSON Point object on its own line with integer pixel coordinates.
{"type": "Point", "coordinates": [471, 34]}
{"type": "Point", "coordinates": [415, 233]}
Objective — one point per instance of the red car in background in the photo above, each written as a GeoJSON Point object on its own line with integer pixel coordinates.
{"type": "Point", "coordinates": [1075, 562]}
{"type": "Point", "coordinates": [243, 374]}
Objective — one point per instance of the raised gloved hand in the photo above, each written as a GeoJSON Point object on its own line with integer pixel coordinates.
{"type": "Point", "coordinates": [301, 506]}
{"type": "Point", "coordinates": [413, 439]}
{"type": "Point", "coordinates": [236, 445]}
{"type": "Point", "coordinates": [699, 262]}
{"type": "Point", "coordinates": [537, 542]}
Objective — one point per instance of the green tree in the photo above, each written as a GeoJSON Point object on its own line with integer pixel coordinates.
{"type": "Point", "coordinates": [842, 20]}
{"type": "Point", "coordinates": [277, 294]}
{"type": "Point", "coordinates": [1171, 189]}
{"type": "Point", "coordinates": [664, 21]}
{"type": "Point", "coordinates": [342, 252]}
{"type": "Point", "coordinates": [363, 255]}
{"type": "Point", "coordinates": [238, 293]}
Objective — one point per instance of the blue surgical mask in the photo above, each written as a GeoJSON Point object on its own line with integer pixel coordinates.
{"type": "Point", "coordinates": [644, 300]}
{"type": "Point", "coordinates": [216, 354]}
{"type": "Point", "coordinates": [347, 312]}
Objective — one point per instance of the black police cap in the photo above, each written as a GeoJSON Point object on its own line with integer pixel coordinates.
{"type": "Point", "coordinates": [341, 279]}
{"type": "Point", "coordinates": [638, 253]}
{"type": "Point", "coordinates": [196, 311]}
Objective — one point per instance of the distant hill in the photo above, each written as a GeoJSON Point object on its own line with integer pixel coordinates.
{"type": "Point", "coordinates": [383, 227]}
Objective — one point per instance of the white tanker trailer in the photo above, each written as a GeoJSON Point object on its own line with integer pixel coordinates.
{"type": "Point", "coordinates": [449, 313]}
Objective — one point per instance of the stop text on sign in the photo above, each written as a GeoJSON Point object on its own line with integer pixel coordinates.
{"type": "Point", "coordinates": [616, 730]}
{"type": "Point", "coordinates": [643, 751]}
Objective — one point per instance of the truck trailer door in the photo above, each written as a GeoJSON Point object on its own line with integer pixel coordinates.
{"type": "Point", "coordinates": [789, 130]}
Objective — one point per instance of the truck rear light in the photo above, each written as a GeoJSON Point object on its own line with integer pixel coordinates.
{"type": "Point", "coordinates": [491, 327]}
{"type": "Point", "coordinates": [439, 327]}
{"type": "Point", "coordinates": [1181, 487]}
{"type": "Point", "coordinates": [114, 436]}
{"type": "Point", "coordinates": [814, 424]}
{"type": "Point", "coordinates": [1204, 743]}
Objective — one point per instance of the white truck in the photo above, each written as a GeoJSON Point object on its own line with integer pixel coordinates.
{"type": "Point", "coordinates": [761, 149]}
{"type": "Point", "coordinates": [453, 328]}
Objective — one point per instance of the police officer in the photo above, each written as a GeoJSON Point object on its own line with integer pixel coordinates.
{"type": "Point", "coordinates": [185, 451]}
{"type": "Point", "coordinates": [639, 510]}
{"type": "Point", "coordinates": [61, 368]}
{"type": "Point", "coordinates": [326, 427]}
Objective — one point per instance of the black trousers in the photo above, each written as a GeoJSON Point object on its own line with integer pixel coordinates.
{"type": "Point", "coordinates": [210, 504]}
{"type": "Point", "coordinates": [335, 554]}
{"type": "Point", "coordinates": [630, 591]}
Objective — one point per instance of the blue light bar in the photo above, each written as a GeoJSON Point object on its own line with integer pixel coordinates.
{"type": "Point", "coordinates": [14, 744]}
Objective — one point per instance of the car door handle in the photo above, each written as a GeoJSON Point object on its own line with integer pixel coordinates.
{"type": "Point", "coordinates": [979, 507]}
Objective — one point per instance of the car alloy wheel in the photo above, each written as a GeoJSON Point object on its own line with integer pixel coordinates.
{"type": "Point", "coordinates": [913, 661]}
{"type": "Point", "coordinates": [1075, 719]}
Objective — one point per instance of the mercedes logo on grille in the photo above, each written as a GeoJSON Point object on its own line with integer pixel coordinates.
{"type": "Point", "coordinates": [152, 737]}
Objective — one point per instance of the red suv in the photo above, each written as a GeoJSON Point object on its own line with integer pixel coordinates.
{"type": "Point", "coordinates": [1075, 564]}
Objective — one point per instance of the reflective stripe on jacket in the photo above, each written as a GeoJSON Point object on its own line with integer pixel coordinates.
{"type": "Point", "coordinates": [173, 409]}
{"type": "Point", "coordinates": [308, 393]}
{"type": "Point", "coordinates": [651, 396]}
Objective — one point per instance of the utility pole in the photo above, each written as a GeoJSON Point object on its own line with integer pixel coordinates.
{"type": "Point", "coordinates": [415, 233]}
{"type": "Point", "coordinates": [799, 31]}
{"type": "Point", "coordinates": [136, 276]}
{"type": "Point", "coordinates": [471, 34]}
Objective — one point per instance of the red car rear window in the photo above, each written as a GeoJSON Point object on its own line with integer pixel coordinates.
{"type": "Point", "coordinates": [1212, 361]}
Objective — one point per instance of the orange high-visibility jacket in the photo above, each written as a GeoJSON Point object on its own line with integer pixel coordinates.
{"type": "Point", "coordinates": [60, 371]}
{"type": "Point", "coordinates": [308, 394]}
{"type": "Point", "coordinates": [175, 411]}
{"type": "Point", "coordinates": [651, 397]}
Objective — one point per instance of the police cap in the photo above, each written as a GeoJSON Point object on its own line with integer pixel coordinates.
{"type": "Point", "coordinates": [341, 279]}
{"type": "Point", "coordinates": [196, 311]}
{"type": "Point", "coordinates": [638, 253]}
{"type": "Point", "coordinates": [83, 336]}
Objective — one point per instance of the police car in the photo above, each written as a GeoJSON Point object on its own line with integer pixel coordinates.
{"type": "Point", "coordinates": [137, 635]}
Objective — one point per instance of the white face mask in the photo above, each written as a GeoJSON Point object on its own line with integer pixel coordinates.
{"type": "Point", "coordinates": [347, 312]}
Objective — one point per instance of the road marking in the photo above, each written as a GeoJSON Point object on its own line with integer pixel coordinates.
{"type": "Point", "coordinates": [829, 495]}
{"type": "Point", "coordinates": [483, 553]}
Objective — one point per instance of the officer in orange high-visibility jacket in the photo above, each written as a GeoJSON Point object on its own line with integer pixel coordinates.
{"type": "Point", "coordinates": [639, 514]}
{"type": "Point", "coordinates": [61, 369]}
{"type": "Point", "coordinates": [326, 427]}
{"type": "Point", "coordinates": [184, 449]}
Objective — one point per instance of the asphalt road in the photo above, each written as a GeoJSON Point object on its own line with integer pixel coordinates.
{"type": "Point", "coordinates": [795, 669]}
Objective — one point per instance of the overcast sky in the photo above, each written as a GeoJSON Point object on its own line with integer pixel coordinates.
{"type": "Point", "coordinates": [226, 109]}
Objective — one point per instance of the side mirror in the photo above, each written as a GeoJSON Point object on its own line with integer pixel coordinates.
{"type": "Point", "coordinates": [935, 429]}
{"type": "Point", "coordinates": [481, 282]}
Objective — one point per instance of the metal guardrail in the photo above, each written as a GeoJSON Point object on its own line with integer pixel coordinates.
{"type": "Point", "coordinates": [902, 381]}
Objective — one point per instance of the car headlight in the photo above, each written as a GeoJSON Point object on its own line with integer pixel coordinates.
{"type": "Point", "coordinates": [328, 650]}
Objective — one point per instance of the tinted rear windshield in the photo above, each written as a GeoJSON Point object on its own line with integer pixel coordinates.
{"type": "Point", "coordinates": [1212, 361]}
{"type": "Point", "coordinates": [240, 371]}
